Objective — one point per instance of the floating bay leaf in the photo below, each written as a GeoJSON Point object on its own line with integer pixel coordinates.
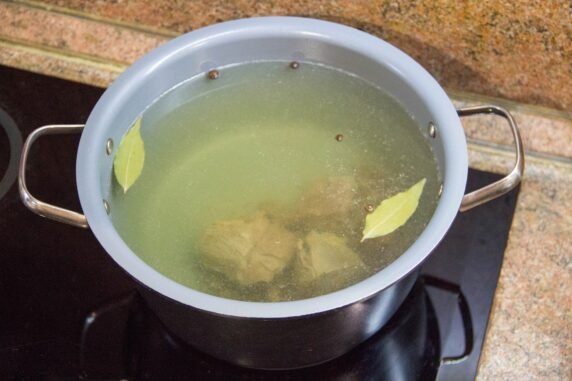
{"type": "Point", "coordinates": [130, 156]}
{"type": "Point", "coordinates": [393, 212]}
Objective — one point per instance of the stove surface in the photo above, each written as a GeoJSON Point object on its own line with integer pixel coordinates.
{"type": "Point", "coordinates": [69, 312]}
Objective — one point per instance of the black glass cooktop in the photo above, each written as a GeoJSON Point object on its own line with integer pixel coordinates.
{"type": "Point", "coordinates": [69, 313]}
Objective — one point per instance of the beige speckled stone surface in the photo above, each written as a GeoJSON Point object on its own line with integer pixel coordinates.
{"type": "Point", "coordinates": [518, 50]}
{"type": "Point", "coordinates": [74, 36]}
{"type": "Point", "coordinates": [58, 65]}
{"type": "Point", "coordinates": [530, 333]}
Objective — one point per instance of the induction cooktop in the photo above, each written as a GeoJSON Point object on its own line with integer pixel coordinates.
{"type": "Point", "coordinates": [69, 312]}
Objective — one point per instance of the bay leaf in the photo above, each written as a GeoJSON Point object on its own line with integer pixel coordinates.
{"type": "Point", "coordinates": [393, 212]}
{"type": "Point", "coordinates": [130, 156]}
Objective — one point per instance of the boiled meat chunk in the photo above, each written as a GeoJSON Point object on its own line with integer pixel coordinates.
{"type": "Point", "coordinates": [324, 253]}
{"type": "Point", "coordinates": [248, 251]}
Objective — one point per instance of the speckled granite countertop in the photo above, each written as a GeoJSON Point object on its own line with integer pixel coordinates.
{"type": "Point", "coordinates": [518, 50]}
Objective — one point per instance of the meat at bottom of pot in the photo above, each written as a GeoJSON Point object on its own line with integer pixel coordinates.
{"type": "Point", "coordinates": [323, 253]}
{"type": "Point", "coordinates": [248, 251]}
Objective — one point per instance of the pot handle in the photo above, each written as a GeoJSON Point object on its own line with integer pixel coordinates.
{"type": "Point", "coordinates": [510, 181]}
{"type": "Point", "coordinates": [39, 207]}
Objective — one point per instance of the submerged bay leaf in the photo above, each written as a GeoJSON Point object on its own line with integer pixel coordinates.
{"type": "Point", "coordinates": [393, 212]}
{"type": "Point", "coordinates": [130, 156]}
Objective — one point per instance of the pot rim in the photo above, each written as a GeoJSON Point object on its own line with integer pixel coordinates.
{"type": "Point", "coordinates": [454, 170]}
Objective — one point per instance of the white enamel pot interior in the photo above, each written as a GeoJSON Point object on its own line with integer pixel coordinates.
{"type": "Point", "coordinates": [271, 38]}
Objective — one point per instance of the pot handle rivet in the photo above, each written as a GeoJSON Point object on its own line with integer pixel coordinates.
{"type": "Point", "coordinates": [432, 130]}
{"type": "Point", "coordinates": [109, 146]}
{"type": "Point", "coordinates": [106, 207]}
{"type": "Point", "coordinates": [39, 207]}
{"type": "Point", "coordinates": [510, 181]}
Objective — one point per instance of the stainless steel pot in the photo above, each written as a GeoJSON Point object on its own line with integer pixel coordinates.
{"type": "Point", "coordinates": [285, 334]}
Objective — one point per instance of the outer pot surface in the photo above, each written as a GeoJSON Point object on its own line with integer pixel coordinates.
{"type": "Point", "coordinates": [257, 334]}
{"type": "Point", "coordinates": [282, 343]}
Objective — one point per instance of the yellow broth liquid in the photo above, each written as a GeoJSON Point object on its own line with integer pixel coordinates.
{"type": "Point", "coordinates": [256, 139]}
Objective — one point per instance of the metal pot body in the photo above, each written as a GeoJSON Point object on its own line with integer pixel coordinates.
{"type": "Point", "coordinates": [285, 334]}
{"type": "Point", "coordinates": [285, 343]}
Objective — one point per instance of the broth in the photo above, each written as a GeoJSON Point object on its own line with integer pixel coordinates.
{"type": "Point", "coordinates": [256, 185]}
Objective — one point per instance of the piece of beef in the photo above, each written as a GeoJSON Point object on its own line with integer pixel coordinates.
{"type": "Point", "coordinates": [324, 253]}
{"type": "Point", "coordinates": [248, 250]}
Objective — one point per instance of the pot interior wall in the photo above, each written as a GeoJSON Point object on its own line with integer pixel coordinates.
{"type": "Point", "coordinates": [190, 61]}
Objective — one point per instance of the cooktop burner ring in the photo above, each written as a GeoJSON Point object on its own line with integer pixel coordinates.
{"type": "Point", "coordinates": [15, 141]}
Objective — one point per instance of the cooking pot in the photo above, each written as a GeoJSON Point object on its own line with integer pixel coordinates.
{"type": "Point", "coordinates": [284, 334]}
